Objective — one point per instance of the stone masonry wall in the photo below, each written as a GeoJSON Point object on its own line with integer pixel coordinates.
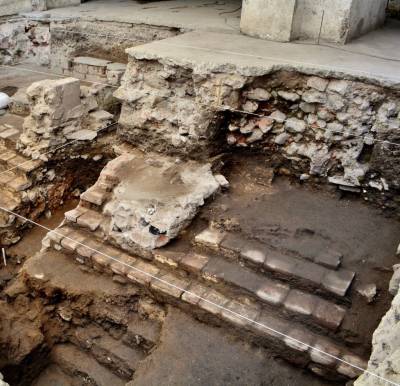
{"type": "Point", "coordinates": [24, 39]}
{"type": "Point", "coordinates": [385, 357]}
{"type": "Point", "coordinates": [328, 129]}
{"type": "Point", "coordinates": [43, 41]}
{"type": "Point", "coordinates": [33, 183]}
{"type": "Point", "coordinates": [75, 38]}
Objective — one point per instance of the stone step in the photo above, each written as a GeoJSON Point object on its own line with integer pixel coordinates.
{"type": "Point", "coordinates": [109, 352]}
{"type": "Point", "coordinates": [10, 159]}
{"type": "Point", "coordinates": [9, 200]}
{"type": "Point", "coordinates": [142, 333]}
{"type": "Point", "coordinates": [263, 259]}
{"type": "Point", "coordinates": [85, 218]}
{"type": "Point", "coordinates": [81, 365]}
{"type": "Point", "coordinates": [146, 275]}
{"type": "Point", "coordinates": [312, 310]}
{"type": "Point", "coordinates": [95, 196]}
{"type": "Point", "coordinates": [54, 376]}
{"type": "Point", "coordinates": [9, 134]}
{"type": "Point", "coordinates": [287, 300]}
{"type": "Point", "coordinates": [13, 182]}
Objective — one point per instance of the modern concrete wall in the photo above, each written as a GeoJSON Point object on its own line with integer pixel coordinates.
{"type": "Point", "coordinates": [327, 20]}
{"type": "Point", "coordinates": [268, 19]}
{"type": "Point", "coordinates": [365, 16]}
{"type": "Point", "coordinates": [323, 19]}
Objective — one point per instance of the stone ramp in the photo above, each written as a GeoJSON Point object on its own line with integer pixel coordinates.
{"type": "Point", "coordinates": [310, 308]}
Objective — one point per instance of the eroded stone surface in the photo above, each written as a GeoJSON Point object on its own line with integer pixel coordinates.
{"type": "Point", "coordinates": [385, 357]}
{"type": "Point", "coordinates": [155, 198]}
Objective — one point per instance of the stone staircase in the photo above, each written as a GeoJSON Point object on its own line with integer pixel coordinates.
{"type": "Point", "coordinates": [17, 175]}
{"type": "Point", "coordinates": [303, 299]}
{"type": "Point", "coordinates": [95, 356]}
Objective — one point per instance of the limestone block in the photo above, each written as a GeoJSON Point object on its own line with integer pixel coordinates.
{"type": "Point", "coordinates": [268, 19]}
{"type": "Point", "coordinates": [54, 97]}
{"type": "Point", "coordinates": [91, 66]}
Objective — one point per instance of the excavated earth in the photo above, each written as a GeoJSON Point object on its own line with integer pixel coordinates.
{"type": "Point", "coordinates": [69, 317]}
{"type": "Point", "coordinates": [63, 324]}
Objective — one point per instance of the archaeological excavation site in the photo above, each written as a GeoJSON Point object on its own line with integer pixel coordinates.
{"type": "Point", "coordinates": [199, 192]}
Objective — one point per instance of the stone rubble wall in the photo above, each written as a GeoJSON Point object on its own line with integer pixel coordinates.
{"type": "Point", "coordinates": [76, 38]}
{"type": "Point", "coordinates": [325, 128]}
{"type": "Point", "coordinates": [60, 112]}
{"type": "Point", "coordinates": [385, 357]}
{"type": "Point", "coordinates": [42, 41]}
{"type": "Point", "coordinates": [24, 40]}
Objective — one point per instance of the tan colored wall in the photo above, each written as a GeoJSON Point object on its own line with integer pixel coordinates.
{"type": "Point", "coordinates": [330, 20]}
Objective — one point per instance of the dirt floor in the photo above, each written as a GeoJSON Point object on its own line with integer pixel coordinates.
{"type": "Point", "coordinates": [301, 219]}
{"type": "Point", "coordinates": [192, 353]}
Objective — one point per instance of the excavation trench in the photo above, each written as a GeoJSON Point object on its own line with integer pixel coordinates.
{"type": "Point", "coordinates": [67, 322]}
{"type": "Point", "coordinates": [273, 194]}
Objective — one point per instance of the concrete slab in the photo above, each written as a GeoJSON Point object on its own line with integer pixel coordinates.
{"type": "Point", "coordinates": [206, 52]}
{"type": "Point", "coordinates": [194, 15]}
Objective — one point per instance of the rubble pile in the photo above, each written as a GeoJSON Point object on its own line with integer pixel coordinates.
{"type": "Point", "coordinates": [58, 116]}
